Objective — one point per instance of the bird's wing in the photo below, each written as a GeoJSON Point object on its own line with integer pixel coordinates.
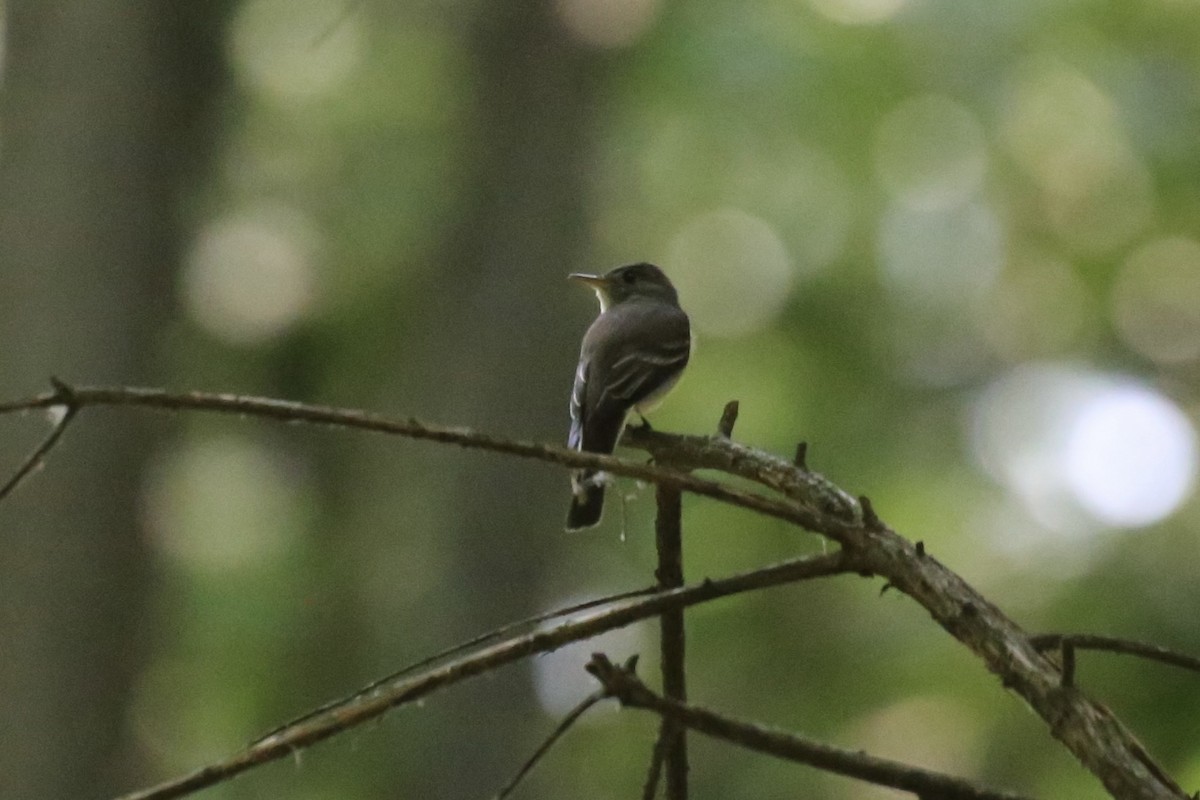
{"type": "Point", "coordinates": [644, 347]}
{"type": "Point", "coordinates": [630, 353]}
{"type": "Point", "coordinates": [638, 374]}
{"type": "Point", "coordinates": [578, 396]}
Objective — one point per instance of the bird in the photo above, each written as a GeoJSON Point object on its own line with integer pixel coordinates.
{"type": "Point", "coordinates": [632, 355]}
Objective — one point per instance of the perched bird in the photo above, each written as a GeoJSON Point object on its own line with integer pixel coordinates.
{"type": "Point", "coordinates": [631, 356]}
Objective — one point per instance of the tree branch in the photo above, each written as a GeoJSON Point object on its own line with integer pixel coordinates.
{"type": "Point", "coordinates": [1085, 641]}
{"type": "Point", "coordinates": [65, 400]}
{"type": "Point", "coordinates": [721, 453]}
{"type": "Point", "coordinates": [1089, 730]}
{"type": "Point", "coordinates": [461, 647]}
{"type": "Point", "coordinates": [624, 685]}
{"type": "Point", "coordinates": [1100, 742]}
{"type": "Point", "coordinates": [669, 538]}
{"type": "Point", "coordinates": [562, 727]}
{"type": "Point", "coordinates": [364, 708]}
{"type": "Point", "coordinates": [353, 419]}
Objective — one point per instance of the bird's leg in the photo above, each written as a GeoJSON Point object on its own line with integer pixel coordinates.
{"type": "Point", "coordinates": [645, 426]}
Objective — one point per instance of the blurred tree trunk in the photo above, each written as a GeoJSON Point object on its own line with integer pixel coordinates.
{"type": "Point", "coordinates": [496, 349]}
{"type": "Point", "coordinates": [96, 127]}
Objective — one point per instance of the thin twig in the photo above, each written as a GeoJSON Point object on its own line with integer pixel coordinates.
{"type": "Point", "coordinates": [1097, 738]}
{"type": "Point", "coordinates": [567, 721]}
{"type": "Point", "coordinates": [626, 687]}
{"type": "Point", "coordinates": [412, 688]}
{"type": "Point", "coordinates": [669, 539]}
{"type": "Point", "coordinates": [1112, 644]}
{"type": "Point", "coordinates": [461, 647]}
{"type": "Point", "coordinates": [305, 413]}
{"type": "Point", "coordinates": [654, 773]}
{"type": "Point", "coordinates": [70, 408]}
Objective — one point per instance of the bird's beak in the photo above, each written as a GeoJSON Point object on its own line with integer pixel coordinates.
{"type": "Point", "coordinates": [597, 282]}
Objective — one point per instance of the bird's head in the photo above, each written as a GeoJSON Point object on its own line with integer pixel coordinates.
{"type": "Point", "coordinates": [631, 282]}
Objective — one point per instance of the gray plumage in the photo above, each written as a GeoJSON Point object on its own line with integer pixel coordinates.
{"type": "Point", "coordinates": [631, 356]}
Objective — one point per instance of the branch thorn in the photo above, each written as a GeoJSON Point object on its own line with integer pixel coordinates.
{"type": "Point", "coordinates": [1068, 663]}
{"type": "Point", "coordinates": [870, 518]}
{"type": "Point", "coordinates": [728, 418]}
{"type": "Point", "coordinates": [800, 461]}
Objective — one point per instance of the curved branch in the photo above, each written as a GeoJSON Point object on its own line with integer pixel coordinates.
{"type": "Point", "coordinates": [456, 649]}
{"type": "Point", "coordinates": [1100, 742]}
{"type": "Point", "coordinates": [409, 689]}
{"type": "Point", "coordinates": [792, 479]}
{"type": "Point", "coordinates": [353, 419]}
{"type": "Point", "coordinates": [624, 685]}
{"type": "Point", "coordinates": [1088, 729]}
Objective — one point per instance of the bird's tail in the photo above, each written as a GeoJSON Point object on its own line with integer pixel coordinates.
{"type": "Point", "coordinates": [587, 501]}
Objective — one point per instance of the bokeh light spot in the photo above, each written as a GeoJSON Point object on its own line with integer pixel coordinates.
{"type": "Point", "coordinates": [940, 257]}
{"type": "Point", "coordinates": [250, 277]}
{"type": "Point", "coordinates": [1038, 308]}
{"type": "Point", "coordinates": [559, 677]}
{"type": "Point", "coordinates": [733, 271]}
{"type": "Point", "coordinates": [1108, 214]}
{"type": "Point", "coordinates": [607, 23]}
{"type": "Point", "coordinates": [293, 51]}
{"type": "Point", "coordinates": [933, 731]}
{"type": "Point", "coordinates": [223, 503]}
{"type": "Point", "coordinates": [937, 348]}
{"type": "Point", "coordinates": [177, 728]}
{"type": "Point", "coordinates": [857, 12]}
{"type": "Point", "coordinates": [1156, 300]}
{"type": "Point", "coordinates": [803, 191]}
{"type": "Point", "coordinates": [1060, 126]}
{"type": "Point", "coordinates": [1131, 456]}
{"type": "Point", "coordinates": [930, 153]}
{"type": "Point", "coordinates": [1064, 131]}
{"type": "Point", "coordinates": [1079, 447]}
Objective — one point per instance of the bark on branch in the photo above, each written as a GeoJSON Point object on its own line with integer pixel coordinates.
{"type": "Point", "coordinates": [623, 684]}
{"type": "Point", "coordinates": [411, 688]}
{"type": "Point", "coordinates": [1101, 742]}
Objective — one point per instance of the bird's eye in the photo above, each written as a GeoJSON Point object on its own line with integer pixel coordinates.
{"type": "Point", "coordinates": [628, 277]}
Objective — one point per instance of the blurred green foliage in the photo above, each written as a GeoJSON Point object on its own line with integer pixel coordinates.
{"type": "Point", "coordinates": [874, 209]}
{"type": "Point", "coordinates": [1063, 124]}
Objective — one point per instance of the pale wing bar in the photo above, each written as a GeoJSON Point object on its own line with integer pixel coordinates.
{"type": "Point", "coordinates": [578, 391]}
{"type": "Point", "coordinates": [638, 374]}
